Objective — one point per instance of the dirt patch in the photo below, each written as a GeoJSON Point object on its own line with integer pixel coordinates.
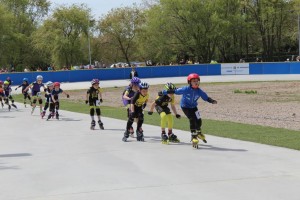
{"type": "Point", "coordinates": [276, 104]}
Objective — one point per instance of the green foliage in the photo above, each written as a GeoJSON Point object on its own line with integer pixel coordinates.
{"type": "Point", "coordinates": [238, 91]}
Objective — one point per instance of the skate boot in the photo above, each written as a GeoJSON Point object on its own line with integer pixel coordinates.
{"type": "Point", "coordinates": [140, 135]}
{"type": "Point", "coordinates": [32, 110]}
{"type": "Point", "coordinates": [50, 116]}
{"type": "Point", "coordinates": [131, 132]}
{"type": "Point", "coordinates": [14, 106]}
{"type": "Point", "coordinates": [164, 138]}
{"type": "Point", "coordinates": [57, 115]}
{"type": "Point", "coordinates": [126, 135]}
{"type": "Point", "coordinates": [43, 114]}
{"type": "Point", "coordinates": [9, 107]}
{"type": "Point", "coordinates": [173, 138]}
{"type": "Point", "coordinates": [101, 125]}
{"type": "Point", "coordinates": [93, 124]}
{"type": "Point", "coordinates": [195, 140]}
{"type": "Point", "coordinates": [201, 136]}
{"type": "Point", "coordinates": [2, 104]}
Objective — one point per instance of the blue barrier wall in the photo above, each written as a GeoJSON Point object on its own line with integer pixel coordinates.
{"type": "Point", "coordinates": [151, 72]}
{"type": "Point", "coordinates": [115, 74]}
{"type": "Point", "coordinates": [275, 68]}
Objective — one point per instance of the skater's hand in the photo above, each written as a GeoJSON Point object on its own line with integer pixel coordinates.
{"type": "Point", "coordinates": [178, 116]}
{"type": "Point", "coordinates": [68, 96]}
{"type": "Point", "coordinates": [150, 113]}
{"type": "Point", "coordinates": [86, 101]}
{"type": "Point", "coordinates": [101, 101]}
{"type": "Point", "coordinates": [214, 102]}
{"type": "Point", "coordinates": [16, 89]}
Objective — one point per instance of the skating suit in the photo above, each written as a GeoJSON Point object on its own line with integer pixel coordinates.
{"type": "Point", "coordinates": [162, 102]}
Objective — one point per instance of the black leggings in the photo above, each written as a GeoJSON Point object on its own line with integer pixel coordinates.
{"type": "Point", "coordinates": [195, 123]}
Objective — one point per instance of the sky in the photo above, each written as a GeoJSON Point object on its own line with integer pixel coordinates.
{"type": "Point", "coordinates": [98, 7]}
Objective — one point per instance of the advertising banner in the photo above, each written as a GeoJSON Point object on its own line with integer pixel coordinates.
{"type": "Point", "coordinates": [235, 69]}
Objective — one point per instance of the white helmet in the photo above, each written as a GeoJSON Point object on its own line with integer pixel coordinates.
{"type": "Point", "coordinates": [49, 84]}
{"type": "Point", "coordinates": [144, 85]}
{"type": "Point", "coordinates": [39, 77]}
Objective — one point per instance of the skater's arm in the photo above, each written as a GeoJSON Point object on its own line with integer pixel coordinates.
{"type": "Point", "coordinates": [152, 107]}
{"type": "Point", "coordinates": [125, 96]}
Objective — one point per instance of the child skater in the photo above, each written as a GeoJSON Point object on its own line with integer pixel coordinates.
{"type": "Point", "coordinates": [190, 95]}
{"type": "Point", "coordinates": [54, 104]}
{"type": "Point", "coordinates": [161, 105]}
{"type": "Point", "coordinates": [138, 103]}
{"type": "Point", "coordinates": [94, 98]}
{"type": "Point", "coordinates": [24, 85]}
{"type": "Point", "coordinates": [127, 96]}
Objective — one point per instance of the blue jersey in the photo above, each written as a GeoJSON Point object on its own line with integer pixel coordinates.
{"type": "Point", "coordinates": [190, 96]}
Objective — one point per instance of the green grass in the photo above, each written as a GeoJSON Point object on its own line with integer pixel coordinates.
{"type": "Point", "coordinates": [238, 91]}
{"type": "Point", "coordinates": [259, 134]}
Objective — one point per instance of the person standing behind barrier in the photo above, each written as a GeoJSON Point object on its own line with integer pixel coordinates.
{"type": "Point", "coordinates": [94, 98]}
{"type": "Point", "coordinates": [190, 95]}
{"type": "Point", "coordinates": [24, 85]}
{"type": "Point", "coordinates": [36, 93]}
{"type": "Point", "coordinates": [133, 73]}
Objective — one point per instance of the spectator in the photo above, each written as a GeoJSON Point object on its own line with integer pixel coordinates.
{"type": "Point", "coordinates": [50, 68]}
{"type": "Point", "coordinates": [182, 62]}
{"type": "Point", "coordinates": [38, 69]}
{"type": "Point", "coordinates": [26, 69]}
{"type": "Point", "coordinates": [241, 60]}
{"type": "Point", "coordinates": [133, 73]}
{"type": "Point", "coordinates": [298, 58]}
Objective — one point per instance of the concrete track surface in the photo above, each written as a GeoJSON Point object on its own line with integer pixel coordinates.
{"type": "Point", "coordinates": [64, 160]}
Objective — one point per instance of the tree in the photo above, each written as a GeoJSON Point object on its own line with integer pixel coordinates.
{"type": "Point", "coordinates": [61, 36]}
{"type": "Point", "coordinates": [118, 30]}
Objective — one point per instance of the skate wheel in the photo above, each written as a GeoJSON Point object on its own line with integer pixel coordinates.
{"type": "Point", "coordinates": [124, 139]}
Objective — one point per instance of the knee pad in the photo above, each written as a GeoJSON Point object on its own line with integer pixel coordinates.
{"type": "Point", "coordinates": [34, 101]}
{"type": "Point", "coordinates": [10, 97]}
{"type": "Point", "coordinates": [98, 111]}
{"type": "Point", "coordinates": [141, 116]}
{"type": "Point", "coordinates": [40, 101]}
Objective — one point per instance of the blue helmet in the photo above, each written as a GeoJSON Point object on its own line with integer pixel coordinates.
{"type": "Point", "coordinates": [135, 81]}
{"type": "Point", "coordinates": [25, 79]}
{"type": "Point", "coordinates": [144, 85]}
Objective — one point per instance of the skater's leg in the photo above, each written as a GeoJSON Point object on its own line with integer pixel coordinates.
{"type": "Point", "coordinates": [98, 111]}
{"type": "Point", "coordinates": [92, 114]}
{"type": "Point", "coordinates": [199, 133]}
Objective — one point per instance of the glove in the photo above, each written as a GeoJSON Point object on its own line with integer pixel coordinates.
{"type": "Point", "coordinates": [150, 113]}
{"type": "Point", "coordinates": [86, 101]}
{"type": "Point", "coordinates": [16, 89]}
{"type": "Point", "coordinates": [214, 102]}
{"type": "Point", "coordinates": [178, 116]}
{"type": "Point", "coordinates": [101, 101]}
{"type": "Point", "coordinates": [144, 105]}
{"type": "Point", "coordinates": [68, 95]}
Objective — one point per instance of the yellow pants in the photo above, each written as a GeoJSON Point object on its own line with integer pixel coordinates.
{"type": "Point", "coordinates": [166, 118]}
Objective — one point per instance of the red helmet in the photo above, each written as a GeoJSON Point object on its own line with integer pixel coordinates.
{"type": "Point", "coordinates": [192, 76]}
{"type": "Point", "coordinates": [56, 84]}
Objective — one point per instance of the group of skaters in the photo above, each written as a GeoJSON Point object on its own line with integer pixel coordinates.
{"type": "Point", "coordinates": [51, 90]}
{"type": "Point", "coordinates": [136, 97]}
